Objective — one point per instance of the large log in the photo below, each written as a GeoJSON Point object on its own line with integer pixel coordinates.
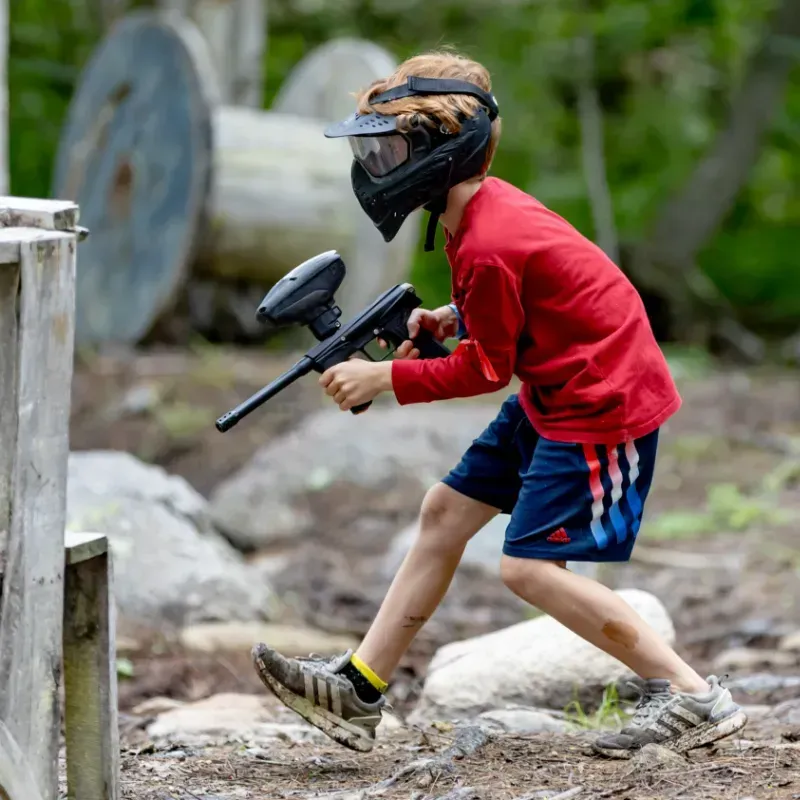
{"type": "Point", "coordinates": [195, 205]}
{"type": "Point", "coordinates": [281, 194]}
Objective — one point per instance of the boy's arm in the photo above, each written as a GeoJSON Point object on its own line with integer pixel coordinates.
{"type": "Point", "coordinates": [483, 362]}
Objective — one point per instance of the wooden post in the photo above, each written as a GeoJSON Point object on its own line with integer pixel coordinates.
{"type": "Point", "coordinates": [236, 34]}
{"type": "Point", "coordinates": [37, 302]}
{"type": "Point", "coordinates": [90, 679]}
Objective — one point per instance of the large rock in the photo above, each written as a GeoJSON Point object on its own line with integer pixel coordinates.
{"type": "Point", "coordinates": [170, 564]}
{"type": "Point", "coordinates": [291, 640]}
{"type": "Point", "coordinates": [222, 718]}
{"type": "Point", "coordinates": [524, 721]}
{"type": "Point", "coordinates": [537, 663]}
{"type": "Point", "coordinates": [255, 720]}
{"type": "Point", "coordinates": [483, 551]}
{"type": "Point", "coordinates": [267, 502]}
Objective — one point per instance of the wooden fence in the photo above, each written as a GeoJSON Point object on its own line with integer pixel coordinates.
{"type": "Point", "coordinates": [40, 629]}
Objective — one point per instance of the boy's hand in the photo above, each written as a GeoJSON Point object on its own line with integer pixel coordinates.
{"type": "Point", "coordinates": [441, 322]}
{"type": "Point", "coordinates": [357, 381]}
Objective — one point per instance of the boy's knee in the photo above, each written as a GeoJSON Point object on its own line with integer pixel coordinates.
{"type": "Point", "coordinates": [526, 577]}
{"type": "Point", "coordinates": [447, 519]}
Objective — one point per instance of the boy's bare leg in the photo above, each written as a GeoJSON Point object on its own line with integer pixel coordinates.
{"type": "Point", "coordinates": [598, 615]}
{"type": "Point", "coordinates": [678, 709]}
{"type": "Point", "coordinates": [343, 696]}
{"type": "Point", "coordinates": [448, 521]}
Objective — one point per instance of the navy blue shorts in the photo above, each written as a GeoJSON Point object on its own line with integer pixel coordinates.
{"type": "Point", "coordinates": [568, 502]}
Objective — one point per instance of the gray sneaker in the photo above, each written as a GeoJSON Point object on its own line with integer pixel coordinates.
{"type": "Point", "coordinates": [314, 689]}
{"type": "Point", "coordinates": [678, 721]}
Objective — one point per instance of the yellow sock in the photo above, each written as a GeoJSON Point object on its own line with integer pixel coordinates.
{"type": "Point", "coordinates": [364, 669]}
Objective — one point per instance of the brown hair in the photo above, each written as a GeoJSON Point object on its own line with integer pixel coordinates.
{"type": "Point", "coordinates": [434, 110]}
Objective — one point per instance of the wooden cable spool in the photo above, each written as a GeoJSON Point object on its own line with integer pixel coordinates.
{"type": "Point", "coordinates": [197, 208]}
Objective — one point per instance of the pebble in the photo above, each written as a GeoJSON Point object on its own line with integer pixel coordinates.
{"type": "Point", "coordinates": [750, 658]}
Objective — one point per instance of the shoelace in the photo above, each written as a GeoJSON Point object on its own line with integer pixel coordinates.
{"type": "Point", "coordinates": [313, 657]}
{"type": "Point", "coordinates": [649, 705]}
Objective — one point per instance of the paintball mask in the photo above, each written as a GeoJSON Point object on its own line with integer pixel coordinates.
{"type": "Point", "coordinates": [396, 171]}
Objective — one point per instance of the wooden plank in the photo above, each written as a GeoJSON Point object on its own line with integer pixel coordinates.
{"type": "Point", "coordinates": [90, 681]}
{"type": "Point", "coordinates": [80, 547]}
{"type": "Point", "coordinates": [9, 246]}
{"type": "Point", "coordinates": [16, 775]}
{"type": "Point", "coordinates": [33, 590]}
{"type": "Point", "coordinates": [9, 288]}
{"type": "Point", "coordinates": [25, 212]}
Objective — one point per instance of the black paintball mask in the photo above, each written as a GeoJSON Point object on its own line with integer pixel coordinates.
{"type": "Point", "coordinates": [396, 171]}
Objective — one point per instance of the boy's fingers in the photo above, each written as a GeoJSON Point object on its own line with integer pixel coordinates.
{"type": "Point", "coordinates": [404, 349]}
{"type": "Point", "coordinates": [413, 323]}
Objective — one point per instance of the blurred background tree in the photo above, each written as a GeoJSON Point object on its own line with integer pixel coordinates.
{"type": "Point", "coordinates": [660, 76]}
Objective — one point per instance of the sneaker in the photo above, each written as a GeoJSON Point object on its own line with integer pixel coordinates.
{"type": "Point", "coordinates": [678, 721]}
{"type": "Point", "coordinates": [314, 689]}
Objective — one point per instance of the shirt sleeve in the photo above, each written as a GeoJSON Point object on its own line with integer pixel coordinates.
{"type": "Point", "coordinates": [484, 361]}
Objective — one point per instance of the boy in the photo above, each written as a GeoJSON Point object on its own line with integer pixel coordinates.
{"type": "Point", "coordinates": [570, 457]}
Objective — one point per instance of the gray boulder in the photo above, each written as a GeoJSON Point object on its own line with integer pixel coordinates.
{"type": "Point", "coordinates": [266, 503]}
{"type": "Point", "coordinates": [170, 564]}
{"type": "Point", "coordinates": [524, 721]}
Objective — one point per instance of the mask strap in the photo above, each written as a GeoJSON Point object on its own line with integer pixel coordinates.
{"type": "Point", "coordinates": [436, 208]}
{"type": "Point", "coordinates": [415, 86]}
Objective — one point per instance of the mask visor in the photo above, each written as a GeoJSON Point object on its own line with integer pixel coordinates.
{"type": "Point", "coordinates": [380, 155]}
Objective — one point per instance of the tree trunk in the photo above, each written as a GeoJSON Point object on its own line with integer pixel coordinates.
{"type": "Point", "coordinates": [590, 117]}
{"type": "Point", "coordinates": [693, 215]}
{"type": "Point", "coordinates": [4, 22]}
{"type": "Point", "coordinates": [236, 33]}
{"type": "Point", "coordinates": [666, 262]}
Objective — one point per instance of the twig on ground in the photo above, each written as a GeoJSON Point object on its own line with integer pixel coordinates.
{"type": "Point", "coordinates": [464, 793]}
{"type": "Point", "coordinates": [426, 770]}
{"type": "Point", "coordinates": [542, 794]}
{"type": "Point", "coordinates": [569, 794]}
{"type": "Point", "coordinates": [468, 741]}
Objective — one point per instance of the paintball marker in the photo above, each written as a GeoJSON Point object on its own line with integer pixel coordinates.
{"type": "Point", "coordinates": [305, 297]}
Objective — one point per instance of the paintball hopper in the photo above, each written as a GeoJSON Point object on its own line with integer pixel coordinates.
{"type": "Point", "coordinates": [304, 296]}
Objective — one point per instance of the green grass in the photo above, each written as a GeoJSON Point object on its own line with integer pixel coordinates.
{"type": "Point", "coordinates": [610, 713]}
{"type": "Point", "coordinates": [183, 420]}
{"type": "Point", "coordinates": [729, 510]}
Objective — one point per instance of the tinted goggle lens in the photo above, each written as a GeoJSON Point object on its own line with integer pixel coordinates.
{"type": "Point", "coordinates": [379, 155]}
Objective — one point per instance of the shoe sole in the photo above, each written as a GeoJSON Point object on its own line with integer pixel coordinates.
{"type": "Point", "coordinates": [691, 740]}
{"type": "Point", "coordinates": [338, 729]}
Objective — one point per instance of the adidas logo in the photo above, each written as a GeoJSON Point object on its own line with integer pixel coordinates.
{"type": "Point", "coordinates": [559, 536]}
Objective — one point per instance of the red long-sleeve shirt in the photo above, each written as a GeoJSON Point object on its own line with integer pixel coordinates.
{"type": "Point", "coordinates": [542, 302]}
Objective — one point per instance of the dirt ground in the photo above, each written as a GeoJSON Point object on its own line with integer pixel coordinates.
{"type": "Point", "coordinates": [721, 551]}
{"type": "Point", "coordinates": [504, 768]}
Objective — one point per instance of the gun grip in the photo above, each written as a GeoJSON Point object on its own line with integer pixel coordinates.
{"type": "Point", "coordinates": [428, 346]}
{"type": "Point", "coordinates": [360, 409]}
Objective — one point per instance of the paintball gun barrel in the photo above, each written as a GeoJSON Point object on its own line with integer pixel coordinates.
{"type": "Point", "coordinates": [305, 296]}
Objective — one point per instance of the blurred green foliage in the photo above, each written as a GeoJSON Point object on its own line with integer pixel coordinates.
{"type": "Point", "coordinates": [667, 70]}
